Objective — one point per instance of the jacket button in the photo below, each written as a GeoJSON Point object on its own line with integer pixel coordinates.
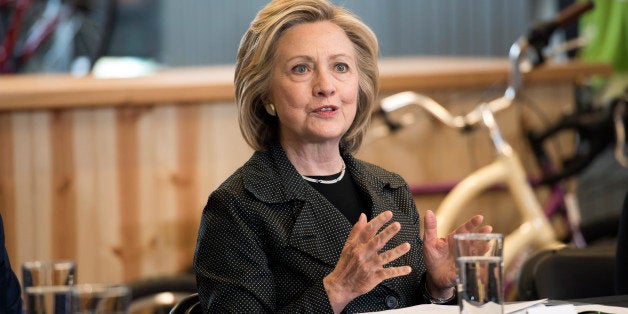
{"type": "Point", "coordinates": [391, 302]}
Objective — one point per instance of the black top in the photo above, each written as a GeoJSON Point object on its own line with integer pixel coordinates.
{"type": "Point", "coordinates": [344, 195]}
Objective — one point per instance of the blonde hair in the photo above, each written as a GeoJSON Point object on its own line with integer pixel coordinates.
{"type": "Point", "coordinates": [255, 60]}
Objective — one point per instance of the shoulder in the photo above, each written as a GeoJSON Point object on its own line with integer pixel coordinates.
{"type": "Point", "coordinates": [264, 178]}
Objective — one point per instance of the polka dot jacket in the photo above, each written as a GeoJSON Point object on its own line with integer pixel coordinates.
{"type": "Point", "coordinates": [267, 239]}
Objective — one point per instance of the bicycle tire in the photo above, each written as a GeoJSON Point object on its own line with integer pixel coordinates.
{"type": "Point", "coordinates": [88, 22]}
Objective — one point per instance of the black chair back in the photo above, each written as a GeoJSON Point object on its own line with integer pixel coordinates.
{"type": "Point", "coordinates": [568, 273]}
{"type": "Point", "coordinates": [621, 263]}
{"type": "Point", "coordinates": [188, 305]}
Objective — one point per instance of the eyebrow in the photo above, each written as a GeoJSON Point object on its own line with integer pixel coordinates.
{"type": "Point", "coordinates": [308, 58]}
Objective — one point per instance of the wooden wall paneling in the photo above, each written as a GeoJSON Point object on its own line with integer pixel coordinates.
{"type": "Point", "coordinates": [88, 228]}
{"type": "Point", "coordinates": [148, 198]}
{"type": "Point", "coordinates": [161, 142]}
{"type": "Point", "coordinates": [63, 213]}
{"type": "Point", "coordinates": [186, 183]}
{"type": "Point", "coordinates": [97, 200]}
{"type": "Point", "coordinates": [221, 137]}
{"type": "Point", "coordinates": [31, 156]}
{"type": "Point", "coordinates": [108, 201]}
{"type": "Point", "coordinates": [130, 248]}
{"type": "Point", "coordinates": [7, 182]}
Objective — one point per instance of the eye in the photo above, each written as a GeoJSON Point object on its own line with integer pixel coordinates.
{"type": "Point", "coordinates": [299, 69]}
{"type": "Point", "coordinates": [341, 67]}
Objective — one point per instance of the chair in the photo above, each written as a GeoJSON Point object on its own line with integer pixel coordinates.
{"type": "Point", "coordinates": [568, 273]}
{"type": "Point", "coordinates": [159, 294]}
{"type": "Point", "coordinates": [188, 305]}
{"type": "Point", "coordinates": [621, 264]}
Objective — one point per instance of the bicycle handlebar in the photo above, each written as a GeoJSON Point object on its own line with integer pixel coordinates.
{"type": "Point", "coordinates": [540, 33]}
{"type": "Point", "coordinates": [537, 38]}
{"type": "Point", "coordinates": [397, 101]}
{"type": "Point", "coordinates": [573, 12]}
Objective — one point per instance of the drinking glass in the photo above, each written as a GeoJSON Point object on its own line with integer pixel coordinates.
{"type": "Point", "coordinates": [479, 263]}
{"type": "Point", "coordinates": [46, 284]}
{"type": "Point", "coordinates": [99, 298]}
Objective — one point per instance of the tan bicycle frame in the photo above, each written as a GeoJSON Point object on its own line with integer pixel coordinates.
{"type": "Point", "coordinates": [535, 230]}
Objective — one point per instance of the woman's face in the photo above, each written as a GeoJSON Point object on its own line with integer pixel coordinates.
{"type": "Point", "coordinates": [314, 84]}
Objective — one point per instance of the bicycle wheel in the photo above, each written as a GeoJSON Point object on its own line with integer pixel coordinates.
{"type": "Point", "coordinates": [81, 31]}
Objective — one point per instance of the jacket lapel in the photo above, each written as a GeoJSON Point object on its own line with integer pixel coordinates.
{"type": "Point", "coordinates": [319, 229]}
{"type": "Point", "coordinates": [376, 184]}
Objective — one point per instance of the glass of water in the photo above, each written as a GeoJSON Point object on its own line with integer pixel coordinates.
{"type": "Point", "coordinates": [46, 284]}
{"type": "Point", "coordinates": [479, 264]}
{"type": "Point", "coordinates": [99, 298]}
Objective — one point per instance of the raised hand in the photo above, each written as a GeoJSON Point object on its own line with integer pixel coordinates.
{"type": "Point", "coordinates": [439, 253]}
{"type": "Point", "coordinates": [361, 265]}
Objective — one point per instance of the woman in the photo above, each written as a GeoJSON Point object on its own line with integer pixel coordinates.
{"type": "Point", "coordinates": [303, 226]}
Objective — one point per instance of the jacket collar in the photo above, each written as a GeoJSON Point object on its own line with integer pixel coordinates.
{"type": "Point", "coordinates": [284, 183]}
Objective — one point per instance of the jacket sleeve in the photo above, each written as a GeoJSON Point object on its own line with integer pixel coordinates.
{"type": "Point", "coordinates": [232, 268]}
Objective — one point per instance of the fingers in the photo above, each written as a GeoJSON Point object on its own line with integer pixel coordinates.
{"type": "Point", "coordinates": [472, 225]}
{"type": "Point", "coordinates": [389, 256]}
{"type": "Point", "coordinates": [375, 224]}
{"type": "Point", "coordinates": [368, 237]}
{"type": "Point", "coordinates": [358, 227]}
{"type": "Point", "coordinates": [430, 225]}
{"type": "Point", "coordinates": [361, 267]}
{"type": "Point", "coordinates": [395, 253]}
{"type": "Point", "coordinates": [391, 272]}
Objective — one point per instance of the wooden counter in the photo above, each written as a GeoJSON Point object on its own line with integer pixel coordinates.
{"type": "Point", "coordinates": [215, 83]}
{"type": "Point", "coordinates": [114, 173]}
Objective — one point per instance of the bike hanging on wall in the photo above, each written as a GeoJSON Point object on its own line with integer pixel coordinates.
{"type": "Point", "coordinates": [45, 36]}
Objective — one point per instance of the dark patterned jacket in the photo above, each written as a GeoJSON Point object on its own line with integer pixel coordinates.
{"type": "Point", "coordinates": [267, 239]}
{"type": "Point", "coordinates": [10, 297]}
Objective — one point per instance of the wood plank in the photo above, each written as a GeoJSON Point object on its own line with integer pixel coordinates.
{"type": "Point", "coordinates": [21, 132]}
{"type": "Point", "coordinates": [107, 203]}
{"type": "Point", "coordinates": [64, 223]}
{"type": "Point", "coordinates": [86, 178]}
{"type": "Point", "coordinates": [8, 209]}
{"type": "Point", "coordinates": [128, 183]}
{"type": "Point", "coordinates": [186, 183]}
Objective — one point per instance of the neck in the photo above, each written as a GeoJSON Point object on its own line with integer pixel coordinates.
{"type": "Point", "coordinates": [315, 160]}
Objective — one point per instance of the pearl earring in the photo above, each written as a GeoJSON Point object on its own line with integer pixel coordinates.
{"type": "Point", "coordinates": [270, 108]}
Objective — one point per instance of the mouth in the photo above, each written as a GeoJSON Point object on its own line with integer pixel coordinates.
{"type": "Point", "coordinates": [326, 109]}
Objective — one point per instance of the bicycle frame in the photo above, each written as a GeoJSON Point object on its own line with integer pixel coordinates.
{"type": "Point", "coordinates": [534, 231]}
{"type": "Point", "coordinates": [40, 34]}
{"type": "Point", "coordinates": [50, 35]}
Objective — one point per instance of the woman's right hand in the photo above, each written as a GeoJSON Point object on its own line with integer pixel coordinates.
{"type": "Point", "coordinates": [361, 266]}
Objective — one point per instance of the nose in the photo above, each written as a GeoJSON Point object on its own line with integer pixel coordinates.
{"type": "Point", "coordinates": [324, 84]}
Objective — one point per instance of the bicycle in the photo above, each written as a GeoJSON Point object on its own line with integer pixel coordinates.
{"type": "Point", "coordinates": [535, 231]}
{"type": "Point", "coordinates": [596, 129]}
{"type": "Point", "coordinates": [53, 35]}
